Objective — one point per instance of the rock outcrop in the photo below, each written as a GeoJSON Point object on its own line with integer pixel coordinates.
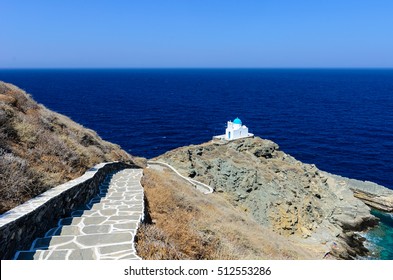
{"type": "Point", "coordinates": [372, 194]}
{"type": "Point", "coordinates": [280, 192]}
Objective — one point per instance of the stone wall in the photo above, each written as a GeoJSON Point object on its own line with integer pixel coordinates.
{"type": "Point", "coordinates": [21, 225]}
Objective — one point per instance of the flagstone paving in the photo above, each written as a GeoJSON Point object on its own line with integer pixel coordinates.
{"type": "Point", "coordinates": [104, 230]}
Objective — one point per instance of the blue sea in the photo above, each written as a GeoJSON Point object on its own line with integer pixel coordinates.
{"type": "Point", "coordinates": [339, 119]}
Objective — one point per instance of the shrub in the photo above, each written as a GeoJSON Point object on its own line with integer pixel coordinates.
{"type": "Point", "coordinates": [18, 183]}
{"type": "Point", "coordinates": [6, 129]}
{"type": "Point", "coordinates": [41, 148]}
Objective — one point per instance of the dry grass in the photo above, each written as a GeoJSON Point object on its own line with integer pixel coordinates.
{"type": "Point", "coordinates": [189, 225]}
{"type": "Point", "coordinates": [17, 180]}
{"type": "Point", "coordinates": [173, 233]}
{"type": "Point", "coordinates": [41, 149]}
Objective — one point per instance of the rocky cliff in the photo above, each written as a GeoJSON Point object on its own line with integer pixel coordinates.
{"type": "Point", "coordinates": [40, 149]}
{"type": "Point", "coordinates": [372, 194]}
{"type": "Point", "coordinates": [290, 197]}
{"type": "Point", "coordinates": [182, 222]}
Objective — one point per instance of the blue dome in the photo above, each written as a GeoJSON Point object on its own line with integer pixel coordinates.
{"type": "Point", "coordinates": [237, 121]}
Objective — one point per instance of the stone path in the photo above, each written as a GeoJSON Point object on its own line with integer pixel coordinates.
{"type": "Point", "coordinates": [104, 230]}
{"type": "Point", "coordinates": [198, 185]}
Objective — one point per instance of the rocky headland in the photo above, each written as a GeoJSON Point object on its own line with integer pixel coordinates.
{"type": "Point", "coordinates": [294, 199]}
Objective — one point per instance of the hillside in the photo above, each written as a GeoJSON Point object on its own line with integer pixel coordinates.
{"type": "Point", "coordinates": [40, 149]}
{"type": "Point", "coordinates": [184, 223]}
{"type": "Point", "coordinates": [280, 193]}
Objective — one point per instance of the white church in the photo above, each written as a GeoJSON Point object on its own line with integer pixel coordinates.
{"type": "Point", "coordinates": [235, 130]}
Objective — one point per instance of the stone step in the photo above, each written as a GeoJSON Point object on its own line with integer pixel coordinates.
{"type": "Point", "coordinates": [114, 252]}
{"type": "Point", "coordinates": [64, 231]}
{"type": "Point", "coordinates": [113, 192]}
{"type": "Point", "coordinates": [126, 206]}
{"type": "Point", "coordinates": [50, 232]}
{"type": "Point", "coordinates": [42, 255]}
{"type": "Point", "coordinates": [116, 200]}
{"type": "Point", "coordinates": [104, 213]}
{"type": "Point", "coordinates": [129, 204]}
{"type": "Point", "coordinates": [83, 241]}
{"type": "Point", "coordinates": [83, 221]}
{"type": "Point", "coordinates": [54, 241]}
{"type": "Point", "coordinates": [102, 229]}
{"type": "Point", "coordinates": [112, 225]}
{"type": "Point", "coordinates": [124, 195]}
{"type": "Point", "coordinates": [122, 216]}
{"type": "Point", "coordinates": [70, 221]}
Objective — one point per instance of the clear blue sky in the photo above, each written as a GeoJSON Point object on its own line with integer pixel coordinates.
{"type": "Point", "coordinates": [195, 33]}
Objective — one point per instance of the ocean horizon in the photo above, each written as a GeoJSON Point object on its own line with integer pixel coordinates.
{"type": "Point", "coordinates": [316, 115]}
{"type": "Point", "coordinates": [338, 119]}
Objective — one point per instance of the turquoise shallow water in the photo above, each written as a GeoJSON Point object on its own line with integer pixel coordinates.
{"type": "Point", "coordinates": [380, 239]}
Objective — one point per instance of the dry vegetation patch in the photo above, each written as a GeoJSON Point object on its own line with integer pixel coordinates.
{"type": "Point", "coordinates": [186, 224]}
{"type": "Point", "coordinates": [40, 149]}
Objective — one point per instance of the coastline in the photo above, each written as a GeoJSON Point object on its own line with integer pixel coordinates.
{"type": "Point", "coordinates": [335, 214]}
{"type": "Point", "coordinates": [379, 240]}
